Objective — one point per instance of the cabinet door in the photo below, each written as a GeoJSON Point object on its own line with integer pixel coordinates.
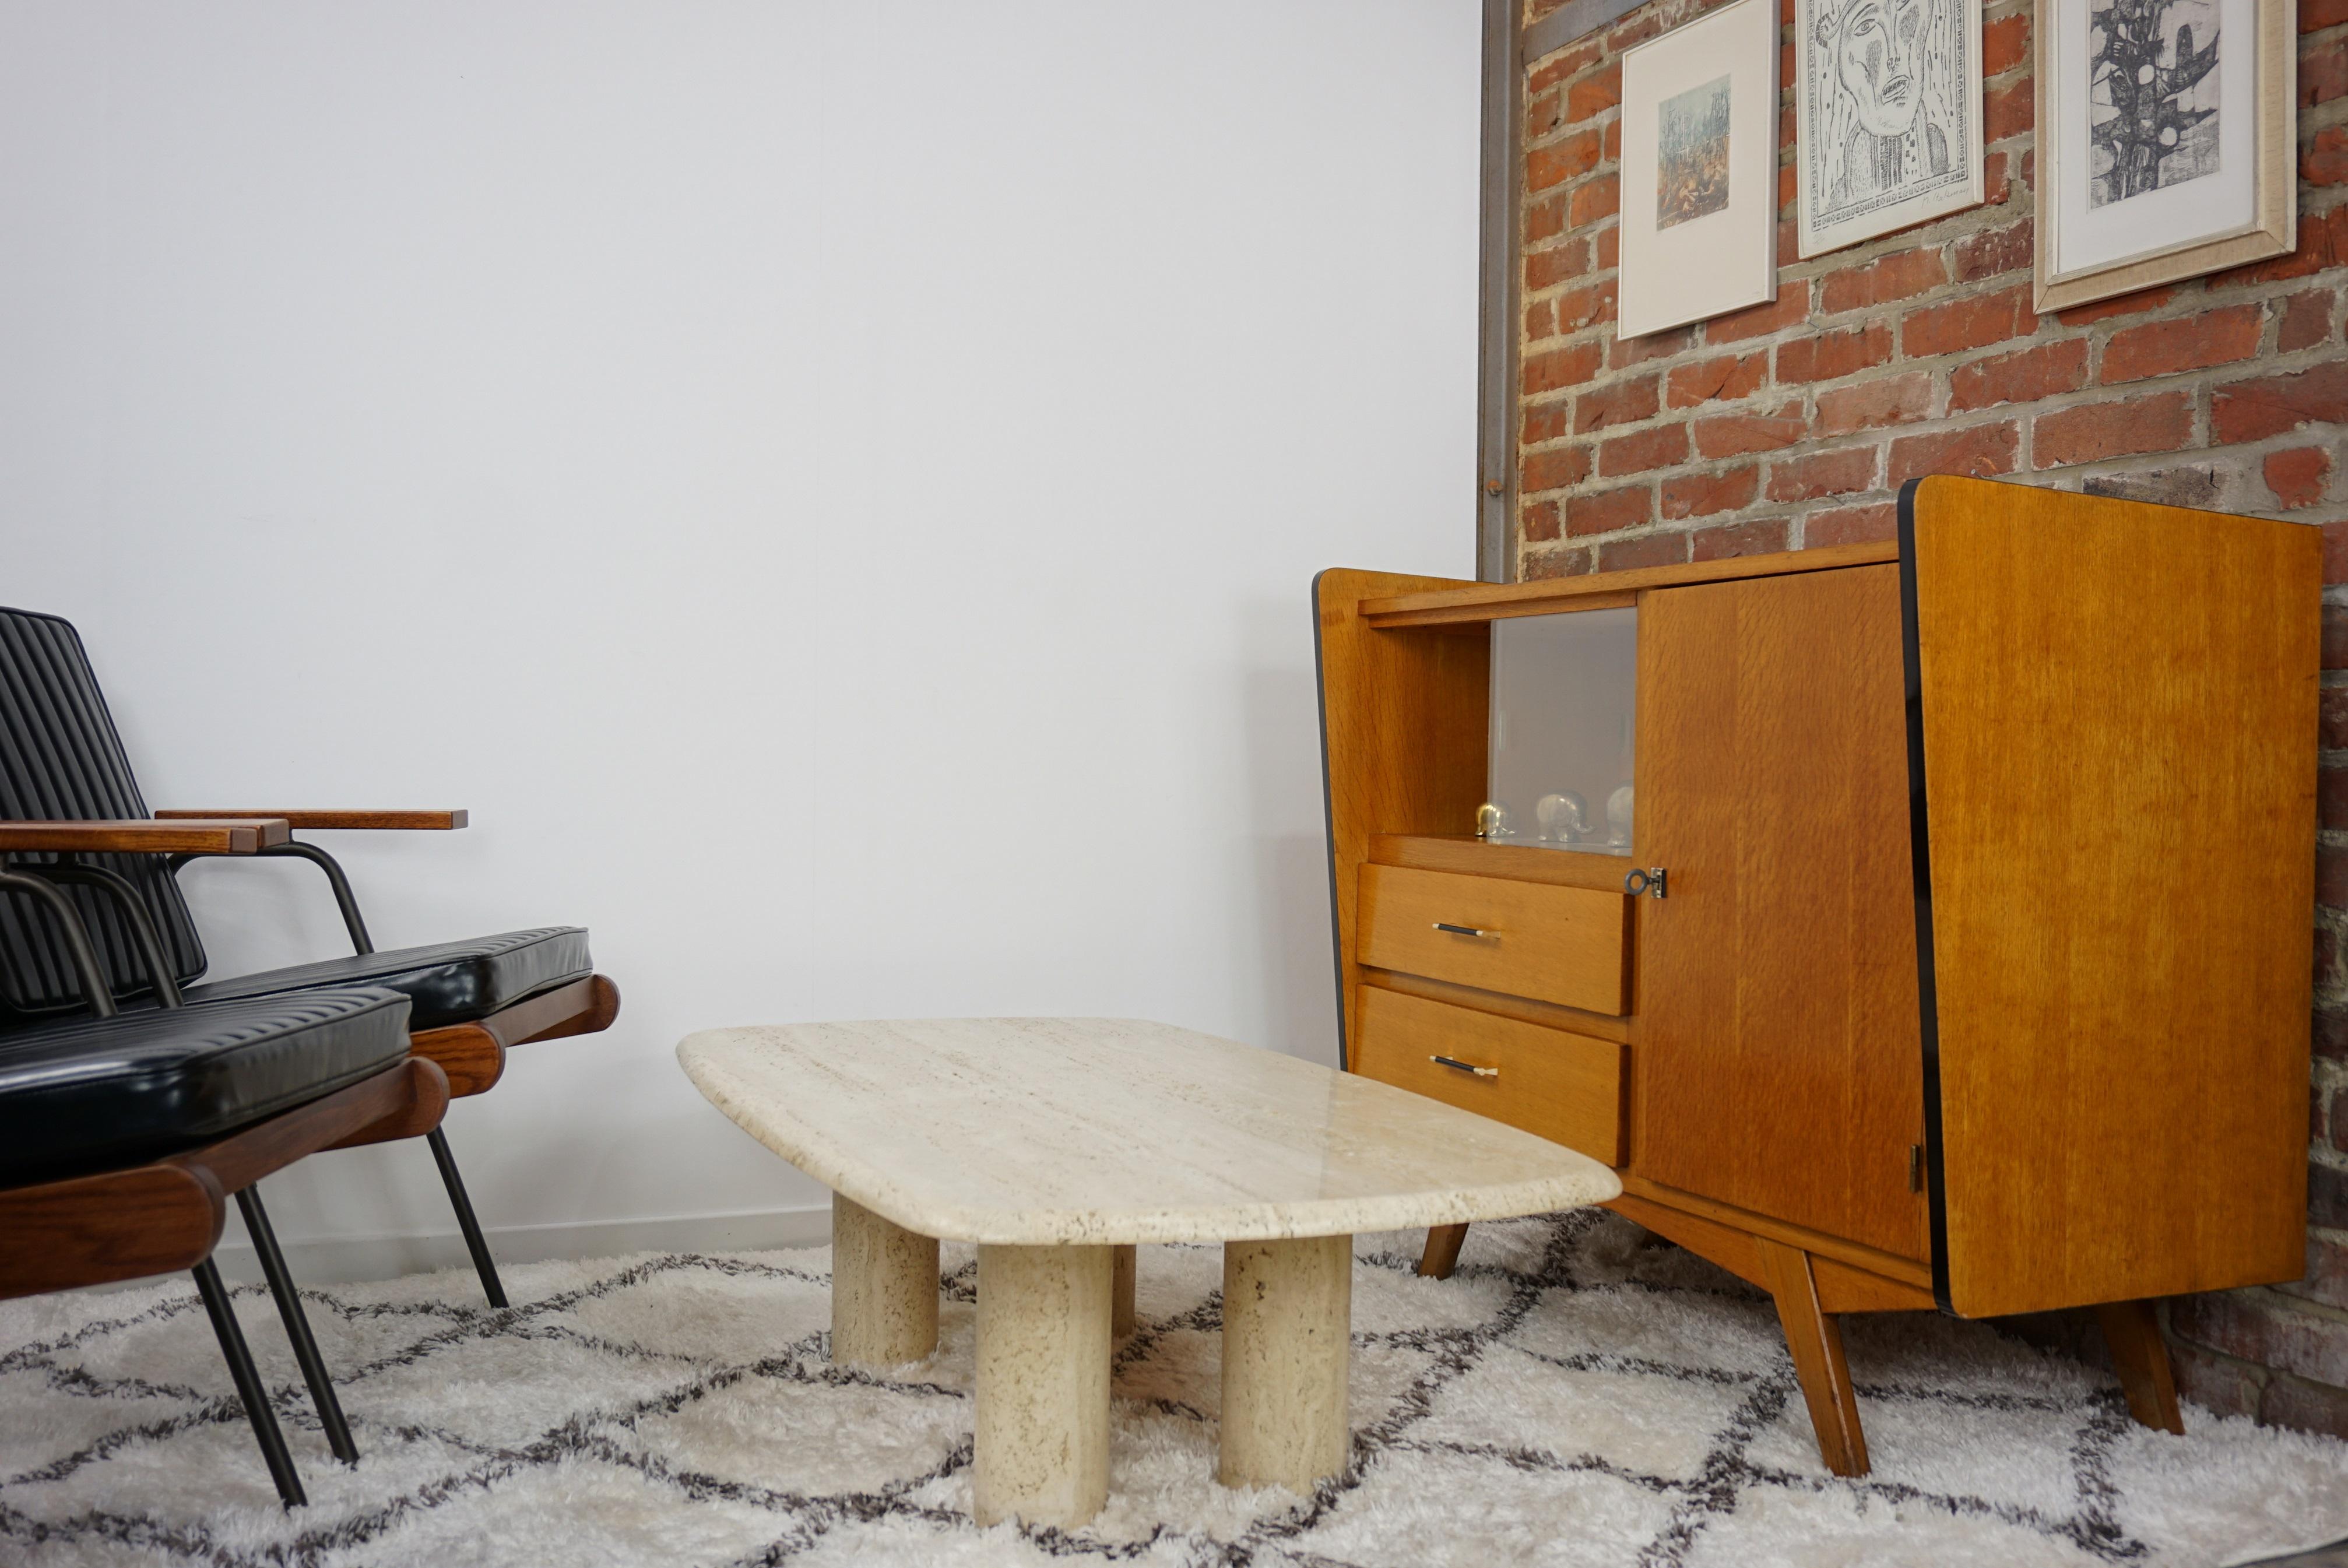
{"type": "Point", "coordinates": [1777, 1062]}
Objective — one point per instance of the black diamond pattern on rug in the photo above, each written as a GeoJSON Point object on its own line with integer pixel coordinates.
{"type": "Point", "coordinates": [1578, 1393]}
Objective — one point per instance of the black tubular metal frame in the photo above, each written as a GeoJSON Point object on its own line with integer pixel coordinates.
{"type": "Point", "coordinates": [297, 1326]}
{"type": "Point", "coordinates": [477, 1246]}
{"type": "Point", "coordinates": [94, 987]}
{"type": "Point", "coordinates": [346, 901]}
{"type": "Point", "coordinates": [69, 870]}
{"type": "Point", "coordinates": [248, 1384]}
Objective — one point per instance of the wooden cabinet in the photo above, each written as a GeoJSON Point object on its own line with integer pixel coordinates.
{"type": "Point", "coordinates": [1980, 976]}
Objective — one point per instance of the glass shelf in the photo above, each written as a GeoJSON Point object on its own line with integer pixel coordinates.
{"type": "Point", "coordinates": [1564, 691]}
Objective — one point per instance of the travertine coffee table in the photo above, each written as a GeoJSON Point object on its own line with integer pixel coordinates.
{"type": "Point", "coordinates": [1055, 1144]}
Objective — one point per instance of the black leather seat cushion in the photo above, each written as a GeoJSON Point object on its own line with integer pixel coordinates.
{"type": "Point", "coordinates": [98, 1093]}
{"type": "Point", "coordinates": [451, 983]}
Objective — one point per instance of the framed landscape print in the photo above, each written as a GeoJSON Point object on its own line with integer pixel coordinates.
{"type": "Point", "coordinates": [1700, 171]}
{"type": "Point", "coordinates": [1888, 116]}
{"type": "Point", "coordinates": [2167, 135]}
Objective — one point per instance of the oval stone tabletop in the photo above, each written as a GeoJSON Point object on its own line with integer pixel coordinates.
{"type": "Point", "coordinates": [1091, 1131]}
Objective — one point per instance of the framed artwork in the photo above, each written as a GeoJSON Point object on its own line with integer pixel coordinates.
{"type": "Point", "coordinates": [2167, 134]}
{"type": "Point", "coordinates": [1888, 116]}
{"type": "Point", "coordinates": [1700, 171]}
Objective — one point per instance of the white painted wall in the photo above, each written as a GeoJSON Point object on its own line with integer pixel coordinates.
{"type": "Point", "coordinates": [832, 487]}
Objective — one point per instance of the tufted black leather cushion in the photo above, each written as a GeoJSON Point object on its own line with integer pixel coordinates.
{"type": "Point", "coordinates": [97, 1094]}
{"type": "Point", "coordinates": [451, 983]}
{"type": "Point", "coordinates": [60, 760]}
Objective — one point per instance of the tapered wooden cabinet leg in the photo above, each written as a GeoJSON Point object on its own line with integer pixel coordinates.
{"type": "Point", "coordinates": [1442, 1255]}
{"type": "Point", "coordinates": [2141, 1358]}
{"type": "Point", "coordinates": [1815, 1337]}
{"type": "Point", "coordinates": [1122, 1265]}
{"type": "Point", "coordinates": [884, 1289]}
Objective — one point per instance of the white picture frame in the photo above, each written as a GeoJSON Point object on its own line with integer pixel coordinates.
{"type": "Point", "coordinates": [1886, 116]}
{"type": "Point", "coordinates": [1699, 213]}
{"type": "Point", "coordinates": [2217, 189]}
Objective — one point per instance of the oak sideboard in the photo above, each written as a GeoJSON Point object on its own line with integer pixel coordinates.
{"type": "Point", "coordinates": [1948, 946]}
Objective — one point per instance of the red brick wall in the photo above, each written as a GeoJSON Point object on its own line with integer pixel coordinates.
{"type": "Point", "coordinates": [1794, 424]}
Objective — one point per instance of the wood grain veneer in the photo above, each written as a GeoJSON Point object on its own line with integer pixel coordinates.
{"type": "Point", "coordinates": [1470, 604]}
{"type": "Point", "coordinates": [1401, 736]}
{"type": "Point", "coordinates": [206, 836]}
{"type": "Point", "coordinates": [424, 822]}
{"type": "Point", "coordinates": [1778, 1067]}
{"type": "Point", "coordinates": [1564, 1087]}
{"type": "Point", "coordinates": [1560, 944]}
{"type": "Point", "coordinates": [2118, 712]}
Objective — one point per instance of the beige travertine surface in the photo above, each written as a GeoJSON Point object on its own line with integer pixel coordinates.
{"type": "Point", "coordinates": [1287, 1311]}
{"type": "Point", "coordinates": [1040, 1449]}
{"type": "Point", "coordinates": [884, 1289]}
{"type": "Point", "coordinates": [1037, 1131]}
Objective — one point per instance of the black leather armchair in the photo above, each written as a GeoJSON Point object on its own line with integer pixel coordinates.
{"type": "Point", "coordinates": [70, 809]}
{"type": "Point", "coordinates": [123, 1136]}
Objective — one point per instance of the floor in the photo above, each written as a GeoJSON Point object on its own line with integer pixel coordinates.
{"type": "Point", "coordinates": [1578, 1393]}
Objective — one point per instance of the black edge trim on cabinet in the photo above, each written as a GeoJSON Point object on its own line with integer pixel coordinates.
{"type": "Point", "coordinates": [1920, 849]}
{"type": "Point", "coordinates": [1329, 815]}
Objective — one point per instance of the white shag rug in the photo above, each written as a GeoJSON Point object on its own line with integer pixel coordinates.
{"type": "Point", "coordinates": [1577, 1393]}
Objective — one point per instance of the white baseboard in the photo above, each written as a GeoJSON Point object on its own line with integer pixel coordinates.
{"type": "Point", "coordinates": [343, 1260]}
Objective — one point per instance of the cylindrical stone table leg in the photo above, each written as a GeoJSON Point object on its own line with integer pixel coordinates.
{"type": "Point", "coordinates": [1287, 1336]}
{"type": "Point", "coordinates": [884, 1289]}
{"type": "Point", "coordinates": [1121, 1318]}
{"type": "Point", "coordinates": [1041, 1448]}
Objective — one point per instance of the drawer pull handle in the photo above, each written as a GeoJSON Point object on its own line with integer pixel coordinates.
{"type": "Point", "coordinates": [1466, 1067]}
{"type": "Point", "coordinates": [1465, 930]}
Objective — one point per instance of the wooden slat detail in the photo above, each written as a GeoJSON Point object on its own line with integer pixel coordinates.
{"type": "Point", "coordinates": [1403, 720]}
{"type": "Point", "coordinates": [412, 821]}
{"type": "Point", "coordinates": [1565, 1087]}
{"type": "Point", "coordinates": [242, 1158]}
{"type": "Point", "coordinates": [1548, 1014]}
{"type": "Point", "coordinates": [1561, 944]}
{"type": "Point", "coordinates": [430, 1103]}
{"type": "Point", "coordinates": [209, 835]}
{"type": "Point", "coordinates": [1467, 855]}
{"type": "Point", "coordinates": [474, 1055]}
{"type": "Point", "coordinates": [1495, 602]}
{"type": "Point", "coordinates": [1779, 1064]}
{"type": "Point", "coordinates": [582, 1008]}
{"type": "Point", "coordinates": [94, 1229]}
{"type": "Point", "coordinates": [2119, 727]}
{"type": "Point", "coordinates": [1867, 1260]}
{"type": "Point", "coordinates": [467, 1052]}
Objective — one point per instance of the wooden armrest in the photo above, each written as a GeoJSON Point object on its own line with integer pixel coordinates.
{"type": "Point", "coordinates": [186, 836]}
{"type": "Point", "coordinates": [428, 822]}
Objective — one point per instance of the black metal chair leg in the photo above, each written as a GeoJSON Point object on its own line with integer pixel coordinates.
{"type": "Point", "coordinates": [482, 1264]}
{"type": "Point", "coordinates": [248, 1385]}
{"type": "Point", "coordinates": [297, 1326]}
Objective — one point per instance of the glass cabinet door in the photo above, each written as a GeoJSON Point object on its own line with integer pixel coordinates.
{"type": "Point", "coordinates": [1564, 697]}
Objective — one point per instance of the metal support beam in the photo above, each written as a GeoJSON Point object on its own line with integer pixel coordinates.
{"type": "Point", "coordinates": [1496, 358]}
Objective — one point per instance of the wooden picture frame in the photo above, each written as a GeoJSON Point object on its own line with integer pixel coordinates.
{"type": "Point", "coordinates": [1888, 116]}
{"type": "Point", "coordinates": [1699, 214]}
{"type": "Point", "coordinates": [2268, 222]}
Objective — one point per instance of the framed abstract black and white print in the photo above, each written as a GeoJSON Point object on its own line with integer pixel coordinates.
{"type": "Point", "coordinates": [1888, 116]}
{"type": "Point", "coordinates": [2166, 132]}
{"type": "Point", "coordinates": [1700, 171]}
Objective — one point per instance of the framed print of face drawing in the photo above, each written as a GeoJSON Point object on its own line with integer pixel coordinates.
{"type": "Point", "coordinates": [1700, 171]}
{"type": "Point", "coordinates": [1888, 116]}
{"type": "Point", "coordinates": [2166, 130]}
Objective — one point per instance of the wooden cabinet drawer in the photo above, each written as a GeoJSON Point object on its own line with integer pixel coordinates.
{"type": "Point", "coordinates": [1561, 944]}
{"type": "Point", "coordinates": [1562, 1086]}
